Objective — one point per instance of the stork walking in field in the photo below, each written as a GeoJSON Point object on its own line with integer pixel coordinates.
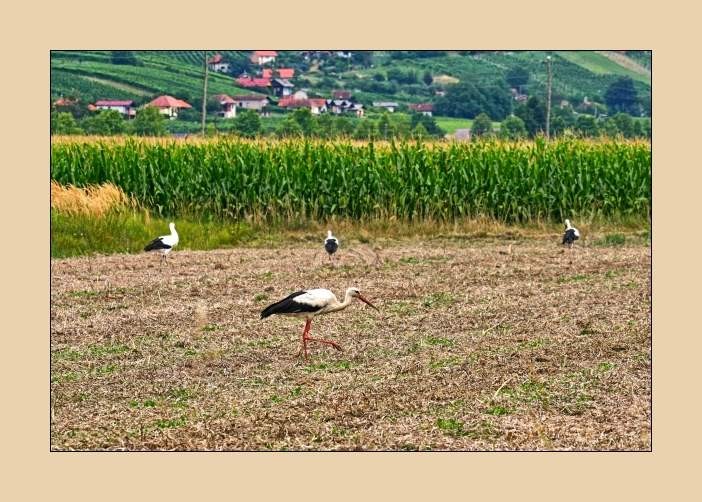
{"type": "Point", "coordinates": [571, 234]}
{"type": "Point", "coordinates": [331, 244]}
{"type": "Point", "coordinates": [164, 244]}
{"type": "Point", "coordinates": [310, 303]}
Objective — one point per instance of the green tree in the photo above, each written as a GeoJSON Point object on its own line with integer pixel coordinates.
{"type": "Point", "coordinates": [304, 118]}
{"type": "Point", "coordinates": [467, 100]}
{"type": "Point", "coordinates": [149, 122]}
{"type": "Point", "coordinates": [64, 123]}
{"type": "Point", "coordinates": [420, 132]}
{"type": "Point", "coordinates": [105, 123]}
{"type": "Point", "coordinates": [289, 128]}
{"type": "Point", "coordinates": [609, 128]}
{"type": "Point", "coordinates": [533, 114]}
{"type": "Point", "coordinates": [326, 126]}
{"type": "Point", "coordinates": [513, 128]}
{"type": "Point", "coordinates": [586, 125]}
{"type": "Point", "coordinates": [344, 126]}
{"type": "Point", "coordinates": [517, 77]}
{"type": "Point", "coordinates": [365, 130]}
{"type": "Point", "coordinates": [247, 123]}
{"type": "Point", "coordinates": [621, 96]}
{"type": "Point", "coordinates": [427, 78]}
{"type": "Point", "coordinates": [482, 126]}
{"type": "Point", "coordinates": [625, 124]}
{"type": "Point", "coordinates": [429, 124]}
{"type": "Point", "coordinates": [379, 77]}
{"type": "Point", "coordinates": [385, 129]}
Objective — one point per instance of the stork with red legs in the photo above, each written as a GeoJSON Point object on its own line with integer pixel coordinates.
{"type": "Point", "coordinates": [310, 303]}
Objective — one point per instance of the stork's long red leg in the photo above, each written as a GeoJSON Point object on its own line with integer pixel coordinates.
{"type": "Point", "coordinates": [328, 342]}
{"type": "Point", "coordinates": [305, 338]}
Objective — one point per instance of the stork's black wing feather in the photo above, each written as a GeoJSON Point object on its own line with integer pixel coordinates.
{"type": "Point", "coordinates": [569, 236]}
{"type": "Point", "coordinates": [156, 244]}
{"type": "Point", "coordinates": [288, 306]}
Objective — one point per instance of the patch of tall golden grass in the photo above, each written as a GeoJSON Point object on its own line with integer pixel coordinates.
{"type": "Point", "coordinates": [93, 200]}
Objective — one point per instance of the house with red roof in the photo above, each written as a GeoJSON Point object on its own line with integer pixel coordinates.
{"type": "Point", "coordinates": [228, 110]}
{"type": "Point", "coordinates": [250, 82]}
{"type": "Point", "coordinates": [316, 105]}
{"type": "Point", "coordinates": [124, 107]}
{"type": "Point", "coordinates": [168, 105]}
{"type": "Point", "coordinates": [423, 108]}
{"type": "Point", "coordinates": [218, 64]}
{"type": "Point", "coordinates": [263, 57]}
{"type": "Point", "coordinates": [341, 94]}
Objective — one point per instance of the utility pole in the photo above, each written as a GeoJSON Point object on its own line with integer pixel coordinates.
{"type": "Point", "coordinates": [204, 98]}
{"type": "Point", "coordinates": [548, 100]}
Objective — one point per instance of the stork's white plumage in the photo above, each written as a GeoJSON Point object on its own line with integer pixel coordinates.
{"type": "Point", "coordinates": [164, 244]}
{"type": "Point", "coordinates": [310, 303]}
{"type": "Point", "coordinates": [331, 244]}
{"type": "Point", "coordinates": [571, 234]}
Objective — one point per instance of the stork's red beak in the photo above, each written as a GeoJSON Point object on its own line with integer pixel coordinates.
{"type": "Point", "coordinates": [367, 302]}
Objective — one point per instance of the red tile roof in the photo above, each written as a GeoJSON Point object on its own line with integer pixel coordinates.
{"type": "Point", "coordinates": [253, 82]}
{"type": "Point", "coordinates": [217, 58]}
{"type": "Point", "coordinates": [422, 107]}
{"type": "Point", "coordinates": [266, 53]}
{"type": "Point", "coordinates": [340, 94]}
{"type": "Point", "coordinates": [286, 72]}
{"type": "Point", "coordinates": [168, 102]}
{"type": "Point", "coordinates": [107, 102]}
{"type": "Point", "coordinates": [65, 102]}
{"type": "Point", "coordinates": [267, 73]}
{"type": "Point", "coordinates": [224, 99]}
{"type": "Point", "coordinates": [291, 102]}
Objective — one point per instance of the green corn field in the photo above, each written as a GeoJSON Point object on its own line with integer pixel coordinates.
{"type": "Point", "coordinates": [297, 180]}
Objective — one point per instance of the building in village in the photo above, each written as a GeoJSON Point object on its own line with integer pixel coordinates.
{"type": "Point", "coordinates": [169, 106]}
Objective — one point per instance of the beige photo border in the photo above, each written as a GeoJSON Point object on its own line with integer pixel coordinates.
{"type": "Point", "coordinates": [32, 472]}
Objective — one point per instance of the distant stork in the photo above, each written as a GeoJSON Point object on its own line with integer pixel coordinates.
{"type": "Point", "coordinates": [331, 244]}
{"type": "Point", "coordinates": [310, 303]}
{"type": "Point", "coordinates": [571, 234]}
{"type": "Point", "coordinates": [164, 244]}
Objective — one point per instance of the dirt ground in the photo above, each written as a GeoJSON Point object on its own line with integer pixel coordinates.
{"type": "Point", "coordinates": [474, 348]}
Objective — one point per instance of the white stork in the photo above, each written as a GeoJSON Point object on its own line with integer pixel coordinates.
{"type": "Point", "coordinates": [310, 303]}
{"type": "Point", "coordinates": [571, 234]}
{"type": "Point", "coordinates": [164, 244]}
{"type": "Point", "coordinates": [331, 244]}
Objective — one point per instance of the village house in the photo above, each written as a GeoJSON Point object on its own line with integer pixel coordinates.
{"type": "Point", "coordinates": [339, 106]}
{"type": "Point", "coordinates": [124, 107]}
{"type": "Point", "coordinates": [263, 57]}
{"type": "Point", "coordinates": [249, 82]}
{"type": "Point", "coordinates": [387, 105]}
{"type": "Point", "coordinates": [65, 102]}
{"type": "Point", "coordinates": [423, 108]}
{"type": "Point", "coordinates": [301, 94]}
{"type": "Point", "coordinates": [228, 110]}
{"type": "Point", "coordinates": [217, 63]}
{"type": "Point", "coordinates": [251, 102]}
{"type": "Point", "coordinates": [168, 106]}
{"type": "Point", "coordinates": [344, 54]}
{"type": "Point", "coordinates": [316, 105]}
{"type": "Point", "coordinates": [282, 87]}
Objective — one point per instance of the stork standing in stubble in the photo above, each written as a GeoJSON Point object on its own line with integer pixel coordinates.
{"type": "Point", "coordinates": [331, 244]}
{"type": "Point", "coordinates": [164, 244]}
{"type": "Point", "coordinates": [571, 234]}
{"type": "Point", "coordinates": [310, 303]}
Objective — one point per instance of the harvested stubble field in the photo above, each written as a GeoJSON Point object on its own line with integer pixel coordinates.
{"type": "Point", "coordinates": [474, 349]}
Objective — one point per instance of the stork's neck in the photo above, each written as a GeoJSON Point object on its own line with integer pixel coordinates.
{"type": "Point", "coordinates": [348, 299]}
